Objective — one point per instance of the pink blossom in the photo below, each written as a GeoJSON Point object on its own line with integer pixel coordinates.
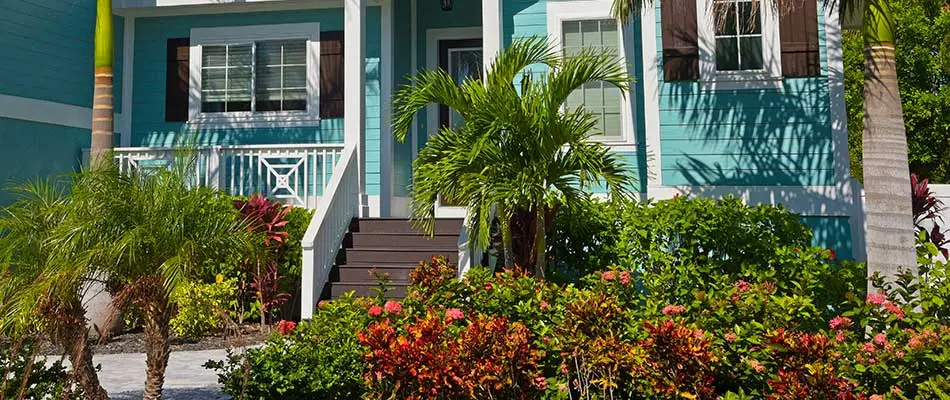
{"type": "Point", "coordinates": [564, 368]}
{"type": "Point", "coordinates": [877, 397]}
{"type": "Point", "coordinates": [841, 336]}
{"type": "Point", "coordinates": [393, 307]}
{"type": "Point", "coordinates": [608, 275]}
{"type": "Point", "coordinates": [453, 314]}
{"type": "Point", "coordinates": [730, 337]}
{"type": "Point", "coordinates": [741, 285]}
{"type": "Point", "coordinates": [544, 305]}
{"type": "Point", "coordinates": [868, 347]}
{"type": "Point", "coordinates": [625, 278]}
{"type": "Point", "coordinates": [488, 286]}
{"type": "Point", "coordinates": [899, 354]}
{"type": "Point", "coordinates": [756, 365]}
{"type": "Point", "coordinates": [894, 309]}
{"type": "Point", "coordinates": [896, 389]}
{"type": "Point", "coordinates": [541, 383]}
{"type": "Point", "coordinates": [769, 287]}
{"type": "Point", "coordinates": [880, 338]}
{"type": "Point", "coordinates": [375, 310]}
{"type": "Point", "coordinates": [840, 323]}
{"type": "Point", "coordinates": [876, 298]}
{"type": "Point", "coordinates": [673, 310]}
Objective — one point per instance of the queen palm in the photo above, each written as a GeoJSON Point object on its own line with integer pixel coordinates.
{"type": "Point", "coordinates": [40, 289]}
{"type": "Point", "coordinates": [148, 232]}
{"type": "Point", "coordinates": [890, 229]}
{"type": "Point", "coordinates": [520, 152]}
{"type": "Point", "coordinates": [103, 103]}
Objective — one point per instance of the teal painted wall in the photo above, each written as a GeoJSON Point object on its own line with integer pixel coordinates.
{"type": "Point", "coordinates": [48, 50]}
{"type": "Point", "coordinates": [832, 233]}
{"type": "Point", "coordinates": [42, 150]}
{"type": "Point", "coordinates": [148, 120]}
{"type": "Point", "coordinates": [747, 137]}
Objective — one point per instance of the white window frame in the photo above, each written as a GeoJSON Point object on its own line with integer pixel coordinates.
{"type": "Point", "coordinates": [250, 34]}
{"type": "Point", "coordinates": [770, 77]}
{"type": "Point", "coordinates": [559, 12]}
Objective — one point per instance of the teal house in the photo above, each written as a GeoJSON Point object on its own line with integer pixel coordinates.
{"type": "Point", "coordinates": [291, 98]}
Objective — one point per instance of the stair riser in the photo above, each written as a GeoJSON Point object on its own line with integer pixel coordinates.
{"type": "Point", "coordinates": [446, 226]}
{"type": "Point", "coordinates": [338, 289]}
{"type": "Point", "coordinates": [362, 274]}
{"type": "Point", "coordinates": [404, 241]}
{"type": "Point", "coordinates": [396, 257]}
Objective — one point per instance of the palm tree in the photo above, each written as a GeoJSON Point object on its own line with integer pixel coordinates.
{"type": "Point", "coordinates": [150, 231]}
{"type": "Point", "coordinates": [40, 290]}
{"type": "Point", "coordinates": [103, 104]}
{"type": "Point", "coordinates": [520, 152]}
{"type": "Point", "coordinates": [890, 228]}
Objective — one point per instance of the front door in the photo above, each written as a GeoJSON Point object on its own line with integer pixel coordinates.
{"type": "Point", "coordinates": [461, 58]}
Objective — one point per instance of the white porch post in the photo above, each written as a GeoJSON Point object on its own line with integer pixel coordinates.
{"type": "Point", "coordinates": [491, 32]}
{"type": "Point", "coordinates": [354, 88]}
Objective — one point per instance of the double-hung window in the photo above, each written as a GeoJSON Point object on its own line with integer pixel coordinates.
{"type": "Point", "coordinates": [601, 99]}
{"type": "Point", "coordinates": [588, 24]}
{"type": "Point", "coordinates": [255, 75]}
{"type": "Point", "coordinates": [739, 43]}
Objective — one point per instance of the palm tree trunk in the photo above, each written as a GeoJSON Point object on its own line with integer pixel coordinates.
{"type": "Point", "coordinates": [157, 317]}
{"type": "Point", "coordinates": [504, 220]}
{"type": "Point", "coordinates": [890, 233]}
{"type": "Point", "coordinates": [102, 101]}
{"type": "Point", "coordinates": [80, 357]}
{"type": "Point", "coordinates": [539, 241]}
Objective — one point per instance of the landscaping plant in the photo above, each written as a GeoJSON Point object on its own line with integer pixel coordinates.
{"type": "Point", "coordinates": [24, 375]}
{"type": "Point", "coordinates": [520, 154]}
{"type": "Point", "coordinates": [203, 308]}
{"type": "Point", "coordinates": [41, 281]}
{"type": "Point", "coordinates": [148, 241]}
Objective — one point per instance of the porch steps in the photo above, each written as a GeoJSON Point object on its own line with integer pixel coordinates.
{"type": "Point", "coordinates": [393, 248]}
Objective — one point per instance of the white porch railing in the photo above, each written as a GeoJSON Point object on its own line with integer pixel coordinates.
{"type": "Point", "coordinates": [295, 174]}
{"type": "Point", "coordinates": [338, 206]}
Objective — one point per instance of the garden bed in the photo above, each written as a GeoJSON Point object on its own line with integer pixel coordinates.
{"type": "Point", "coordinates": [134, 342]}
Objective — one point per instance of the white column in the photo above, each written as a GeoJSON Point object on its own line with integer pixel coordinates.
{"type": "Point", "coordinates": [354, 88]}
{"type": "Point", "coordinates": [491, 32]}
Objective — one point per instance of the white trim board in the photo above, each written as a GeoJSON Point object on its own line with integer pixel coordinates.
{"type": "Point", "coordinates": [168, 8]}
{"type": "Point", "coordinates": [47, 112]}
{"type": "Point", "coordinates": [651, 97]}
{"type": "Point", "coordinates": [385, 131]}
{"type": "Point", "coordinates": [579, 10]}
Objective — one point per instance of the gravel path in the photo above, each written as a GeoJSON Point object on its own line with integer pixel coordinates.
{"type": "Point", "coordinates": [123, 375]}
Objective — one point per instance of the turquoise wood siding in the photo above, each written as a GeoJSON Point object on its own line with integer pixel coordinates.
{"type": "Point", "coordinates": [41, 151]}
{"type": "Point", "coordinates": [747, 137]}
{"type": "Point", "coordinates": [148, 120]}
{"type": "Point", "coordinates": [832, 233]}
{"type": "Point", "coordinates": [48, 49]}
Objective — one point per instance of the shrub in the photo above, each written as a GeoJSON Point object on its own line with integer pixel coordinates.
{"type": "Point", "coordinates": [44, 380]}
{"type": "Point", "coordinates": [203, 308]}
{"type": "Point", "coordinates": [317, 359]}
{"type": "Point", "coordinates": [449, 356]}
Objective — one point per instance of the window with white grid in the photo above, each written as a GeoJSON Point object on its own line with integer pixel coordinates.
{"type": "Point", "coordinates": [256, 77]}
{"type": "Point", "coordinates": [602, 99]}
{"type": "Point", "coordinates": [738, 35]}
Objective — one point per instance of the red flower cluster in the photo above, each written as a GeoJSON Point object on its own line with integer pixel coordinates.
{"type": "Point", "coordinates": [879, 299]}
{"type": "Point", "coordinates": [673, 309]}
{"type": "Point", "coordinates": [426, 359]}
{"type": "Point", "coordinates": [285, 327]}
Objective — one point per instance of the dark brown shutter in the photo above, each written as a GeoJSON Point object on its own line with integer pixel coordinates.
{"type": "Point", "coordinates": [331, 74]}
{"type": "Point", "coordinates": [799, 31]}
{"type": "Point", "coordinates": [176, 80]}
{"type": "Point", "coordinates": [680, 42]}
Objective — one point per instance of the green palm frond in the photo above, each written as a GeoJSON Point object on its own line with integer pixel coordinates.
{"type": "Point", "coordinates": [519, 148]}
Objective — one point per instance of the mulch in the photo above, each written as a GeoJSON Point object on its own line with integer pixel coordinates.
{"type": "Point", "coordinates": [134, 342]}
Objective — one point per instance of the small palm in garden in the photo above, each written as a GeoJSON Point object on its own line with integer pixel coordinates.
{"type": "Point", "coordinates": [40, 288]}
{"type": "Point", "coordinates": [520, 151]}
{"type": "Point", "coordinates": [149, 239]}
